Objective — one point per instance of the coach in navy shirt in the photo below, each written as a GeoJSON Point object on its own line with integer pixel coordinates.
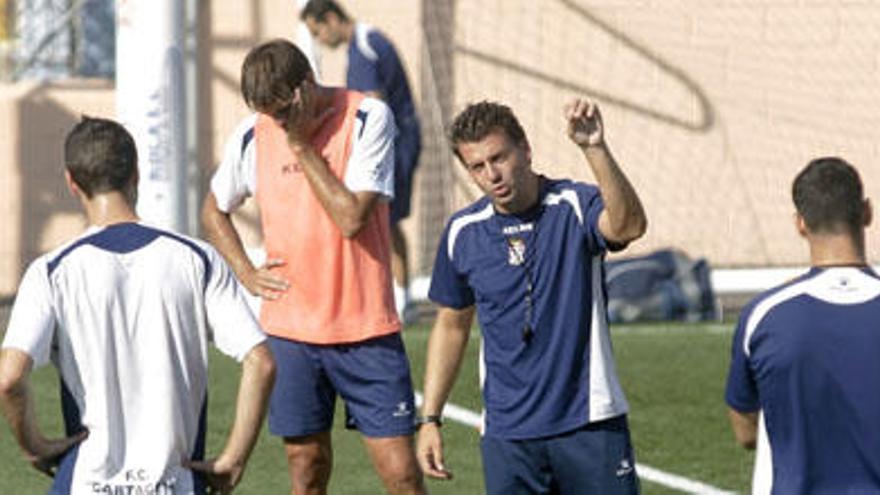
{"type": "Point", "coordinates": [806, 353]}
{"type": "Point", "coordinates": [527, 259]}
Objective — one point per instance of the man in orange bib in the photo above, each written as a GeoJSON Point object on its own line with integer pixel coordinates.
{"type": "Point", "coordinates": [320, 162]}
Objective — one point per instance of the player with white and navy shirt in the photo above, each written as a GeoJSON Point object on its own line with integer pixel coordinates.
{"type": "Point", "coordinates": [811, 345]}
{"type": "Point", "coordinates": [527, 260]}
{"type": "Point", "coordinates": [125, 312]}
{"type": "Point", "coordinates": [374, 67]}
{"type": "Point", "coordinates": [805, 354]}
{"type": "Point", "coordinates": [106, 309]}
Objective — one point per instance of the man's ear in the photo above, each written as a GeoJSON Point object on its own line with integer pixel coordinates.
{"type": "Point", "coordinates": [71, 185]}
{"type": "Point", "coordinates": [527, 149]}
{"type": "Point", "coordinates": [801, 225]}
{"type": "Point", "coordinates": [867, 213]}
{"type": "Point", "coordinates": [132, 189]}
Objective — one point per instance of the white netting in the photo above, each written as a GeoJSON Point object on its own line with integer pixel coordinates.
{"type": "Point", "coordinates": [710, 107]}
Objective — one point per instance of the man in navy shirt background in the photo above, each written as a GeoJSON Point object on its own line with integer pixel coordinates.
{"type": "Point", "coordinates": [374, 68]}
{"type": "Point", "coordinates": [806, 353]}
{"type": "Point", "coordinates": [527, 260]}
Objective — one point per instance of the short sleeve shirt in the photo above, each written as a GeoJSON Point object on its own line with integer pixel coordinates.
{"type": "Point", "coordinates": [806, 354]}
{"type": "Point", "coordinates": [370, 167]}
{"type": "Point", "coordinates": [562, 377]}
{"type": "Point", "coordinates": [125, 313]}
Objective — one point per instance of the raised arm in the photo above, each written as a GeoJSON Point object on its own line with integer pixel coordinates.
{"type": "Point", "coordinates": [446, 347]}
{"type": "Point", "coordinates": [349, 210]}
{"type": "Point", "coordinates": [623, 219]}
{"type": "Point", "coordinates": [258, 375]}
{"type": "Point", "coordinates": [222, 234]}
{"type": "Point", "coordinates": [18, 408]}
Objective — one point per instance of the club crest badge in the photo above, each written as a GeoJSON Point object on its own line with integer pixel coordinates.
{"type": "Point", "coordinates": [516, 251]}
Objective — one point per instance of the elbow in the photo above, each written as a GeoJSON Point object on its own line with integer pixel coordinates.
{"type": "Point", "coordinates": [205, 216]}
{"type": "Point", "coordinates": [259, 364]}
{"type": "Point", "coordinates": [632, 230]}
{"type": "Point", "coordinates": [209, 213]}
{"type": "Point", "coordinates": [266, 372]}
{"type": "Point", "coordinates": [748, 442]}
{"type": "Point", "coordinates": [265, 368]}
{"type": "Point", "coordinates": [641, 227]}
{"type": "Point", "coordinates": [745, 428]}
{"type": "Point", "coordinates": [635, 228]}
{"type": "Point", "coordinates": [9, 386]}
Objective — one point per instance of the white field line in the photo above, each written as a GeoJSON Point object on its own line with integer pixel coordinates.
{"type": "Point", "coordinates": [685, 485]}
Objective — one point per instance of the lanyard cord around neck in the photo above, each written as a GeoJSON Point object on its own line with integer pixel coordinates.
{"type": "Point", "coordinates": [524, 256]}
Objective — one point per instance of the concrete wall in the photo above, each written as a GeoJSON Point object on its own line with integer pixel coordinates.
{"type": "Point", "coordinates": [37, 210]}
{"type": "Point", "coordinates": [711, 107]}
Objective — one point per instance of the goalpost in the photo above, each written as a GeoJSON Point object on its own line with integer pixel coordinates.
{"type": "Point", "coordinates": [151, 104]}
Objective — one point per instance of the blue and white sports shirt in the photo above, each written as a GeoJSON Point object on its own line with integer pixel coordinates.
{"type": "Point", "coordinates": [563, 377]}
{"type": "Point", "coordinates": [808, 354]}
{"type": "Point", "coordinates": [125, 313]}
{"type": "Point", "coordinates": [373, 65]}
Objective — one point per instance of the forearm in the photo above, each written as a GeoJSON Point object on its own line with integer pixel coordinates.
{"type": "Point", "coordinates": [446, 347]}
{"type": "Point", "coordinates": [17, 402]}
{"type": "Point", "coordinates": [222, 234]}
{"type": "Point", "coordinates": [745, 428]}
{"type": "Point", "coordinates": [257, 378]}
{"type": "Point", "coordinates": [18, 409]}
{"type": "Point", "coordinates": [625, 218]}
{"type": "Point", "coordinates": [345, 208]}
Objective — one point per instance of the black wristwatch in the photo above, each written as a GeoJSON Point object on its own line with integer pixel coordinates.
{"type": "Point", "coordinates": [430, 418]}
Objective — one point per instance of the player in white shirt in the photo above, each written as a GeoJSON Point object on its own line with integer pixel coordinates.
{"type": "Point", "coordinates": [125, 313]}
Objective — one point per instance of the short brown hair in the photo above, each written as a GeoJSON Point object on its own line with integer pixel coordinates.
{"type": "Point", "coordinates": [478, 120]}
{"type": "Point", "coordinates": [318, 9]}
{"type": "Point", "coordinates": [828, 194]}
{"type": "Point", "coordinates": [100, 156]}
{"type": "Point", "coordinates": [271, 72]}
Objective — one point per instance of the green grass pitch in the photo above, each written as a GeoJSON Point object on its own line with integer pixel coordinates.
{"type": "Point", "coordinates": [673, 376]}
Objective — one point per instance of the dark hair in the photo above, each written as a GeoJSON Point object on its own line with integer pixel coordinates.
{"type": "Point", "coordinates": [318, 9]}
{"type": "Point", "coordinates": [828, 194]}
{"type": "Point", "coordinates": [478, 120]}
{"type": "Point", "coordinates": [271, 72]}
{"type": "Point", "coordinates": [100, 155]}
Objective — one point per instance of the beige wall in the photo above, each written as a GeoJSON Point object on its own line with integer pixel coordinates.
{"type": "Point", "coordinates": [711, 107]}
{"type": "Point", "coordinates": [37, 210]}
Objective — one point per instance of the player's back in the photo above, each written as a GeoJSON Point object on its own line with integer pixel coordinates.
{"type": "Point", "coordinates": [131, 350]}
{"type": "Point", "coordinates": [374, 65]}
{"type": "Point", "coordinates": [814, 351]}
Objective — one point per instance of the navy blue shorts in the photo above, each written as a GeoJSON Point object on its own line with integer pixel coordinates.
{"type": "Point", "coordinates": [372, 377]}
{"type": "Point", "coordinates": [407, 147]}
{"type": "Point", "coordinates": [594, 459]}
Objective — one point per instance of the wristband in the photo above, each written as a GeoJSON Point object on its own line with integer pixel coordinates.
{"type": "Point", "coordinates": [430, 418]}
